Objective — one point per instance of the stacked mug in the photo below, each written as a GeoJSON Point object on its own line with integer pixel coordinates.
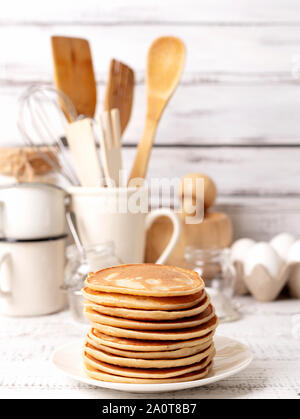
{"type": "Point", "coordinates": [32, 249]}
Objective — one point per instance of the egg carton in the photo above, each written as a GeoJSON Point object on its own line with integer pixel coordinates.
{"type": "Point", "coordinates": [264, 269]}
{"type": "Point", "coordinates": [265, 287]}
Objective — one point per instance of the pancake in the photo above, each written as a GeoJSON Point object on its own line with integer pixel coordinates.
{"type": "Point", "coordinates": [149, 324]}
{"type": "Point", "coordinates": [136, 314]}
{"type": "Point", "coordinates": [177, 334]}
{"type": "Point", "coordinates": [141, 302]}
{"type": "Point", "coordinates": [161, 373]}
{"type": "Point", "coordinates": [146, 363]}
{"type": "Point", "coordinates": [101, 376]}
{"type": "Point", "coordinates": [201, 318]}
{"type": "Point", "coordinates": [178, 353]}
{"type": "Point", "coordinates": [138, 345]}
{"type": "Point", "coordinates": [146, 279]}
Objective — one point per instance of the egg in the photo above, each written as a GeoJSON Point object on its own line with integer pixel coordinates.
{"type": "Point", "coordinates": [240, 248]}
{"type": "Point", "coordinates": [262, 253]}
{"type": "Point", "coordinates": [282, 243]}
{"type": "Point", "coordinates": [294, 252]}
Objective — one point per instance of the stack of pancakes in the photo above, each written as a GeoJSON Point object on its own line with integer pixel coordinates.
{"type": "Point", "coordinates": [150, 324]}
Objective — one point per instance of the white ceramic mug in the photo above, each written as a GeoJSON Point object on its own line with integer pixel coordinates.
{"type": "Point", "coordinates": [31, 277]}
{"type": "Point", "coordinates": [32, 211]}
{"type": "Point", "coordinates": [109, 214]}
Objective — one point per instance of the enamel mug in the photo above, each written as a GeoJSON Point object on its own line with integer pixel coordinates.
{"type": "Point", "coordinates": [32, 211]}
{"type": "Point", "coordinates": [32, 276]}
{"type": "Point", "coordinates": [119, 215]}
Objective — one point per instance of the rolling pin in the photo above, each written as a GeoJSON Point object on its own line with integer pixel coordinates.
{"type": "Point", "coordinates": [214, 231]}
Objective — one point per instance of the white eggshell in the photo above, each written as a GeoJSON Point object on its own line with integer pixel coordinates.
{"type": "Point", "coordinates": [240, 248]}
{"type": "Point", "coordinates": [263, 254]}
{"type": "Point", "coordinates": [282, 243]}
{"type": "Point", "coordinates": [294, 252]}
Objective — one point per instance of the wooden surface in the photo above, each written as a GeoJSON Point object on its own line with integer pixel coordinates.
{"type": "Point", "coordinates": [235, 115]}
{"type": "Point", "coordinates": [271, 330]}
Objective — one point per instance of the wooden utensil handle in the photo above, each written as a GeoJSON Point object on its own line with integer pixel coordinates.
{"type": "Point", "coordinates": [116, 126]}
{"type": "Point", "coordinates": [140, 165]}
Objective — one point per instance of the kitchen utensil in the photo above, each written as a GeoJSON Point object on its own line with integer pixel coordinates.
{"type": "Point", "coordinates": [41, 122]}
{"type": "Point", "coordinates": [110, 143]}
{"type": "Point", "coordinates": [119, 91]}
{"type": "Point", "coordinates": [70, 217]}
{"type": "Point", "coordinates": [74, 73]}
{"type": "Point", "coordinates": [31, 276]}
{"type": "Point", "coordinates": [119, 215]}
{"type": "Point", "coordinates": [165, 62]}
{"type": "Point", "coordinates": [32, 211]}
{"type": "Point", "coordinates": [206, 195]}
{"type": "Point", "coordinates": [231, 357]}
{"type": "Point", "coordinates": [82, 145]}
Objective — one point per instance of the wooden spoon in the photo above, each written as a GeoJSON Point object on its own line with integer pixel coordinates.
{"type": "Point", "coordinates": [165, 63]}
{"type": "Point", "coordinates": [119, 91]}
{"type": "Point", "coordinates": [74, 73]}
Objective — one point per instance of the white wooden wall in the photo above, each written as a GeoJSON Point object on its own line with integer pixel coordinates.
{"type": "Point", "coordinates": [236, 114]}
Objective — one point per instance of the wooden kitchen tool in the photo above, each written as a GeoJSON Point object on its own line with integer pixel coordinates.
{"type": "Point", "coordinates": [214, 231]}
{"type": "Point", "coordinates": [119, 91]}
{"type": "Point", "coordinates": [74, 73]}
{"type": "Point", "coordinates": [82, 145]}
{"type": "Point", "coordinates": [188, 189]}
{"type": "Point", "coordinates": [110, 143]}
{"type": "Point", "coordinates": [165, 63]}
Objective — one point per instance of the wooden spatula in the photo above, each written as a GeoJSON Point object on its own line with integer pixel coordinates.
{"type": "Point", "coordinates": [165, 63]}
{"type": "Point", "coordinates": [119, 91]}
{"type": "Point", "coordinates": [83, 148]}
{"type": "Point", "coordinates": [74, 73]}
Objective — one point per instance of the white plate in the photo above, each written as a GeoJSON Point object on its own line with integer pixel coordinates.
{"type": "Point", "coordinates": [231, 358]}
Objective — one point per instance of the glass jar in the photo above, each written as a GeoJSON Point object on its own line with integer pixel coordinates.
{"type": "Point", "coordinates": [79, 265]}
{"type": "Point", "coordinates": [216, 269]}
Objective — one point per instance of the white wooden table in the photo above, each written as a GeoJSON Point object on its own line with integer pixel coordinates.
{"type": "Point", "coordinates": [271, 330]}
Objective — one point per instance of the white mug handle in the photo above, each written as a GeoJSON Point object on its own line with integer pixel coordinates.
{"type": "Point", "coordinates": [152, 216]}
{"type": "Point", "coordinates": [3, 293]}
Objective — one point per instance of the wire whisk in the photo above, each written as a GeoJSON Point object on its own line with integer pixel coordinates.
{"type": "Point", "coordinates": [42, 123]}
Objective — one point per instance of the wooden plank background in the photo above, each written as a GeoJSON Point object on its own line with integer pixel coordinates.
{"type": "Point", "coordinates": [235, 115]}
